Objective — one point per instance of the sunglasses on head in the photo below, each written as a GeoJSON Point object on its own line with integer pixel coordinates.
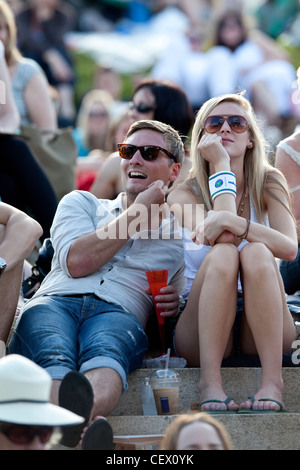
{"type": "Point", "coordinates": [148, 152]}
{"type": "Point", "coordinates": [214, 123]}
{"type": "Point", "coordinates": [141, 108]}
{"type": "Point", "coordinates": [24, 434]}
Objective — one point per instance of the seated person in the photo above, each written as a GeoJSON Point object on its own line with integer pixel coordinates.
{"type": "Point", "coordinates": [96, 298]}
{"type": "Point", "coordinates": [18, 236]}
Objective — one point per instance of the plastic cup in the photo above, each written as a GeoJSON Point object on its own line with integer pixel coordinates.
{"type": "Point", "coordinates": [165, 385]}
{"type": "Point", "coordinates": [157, 280]}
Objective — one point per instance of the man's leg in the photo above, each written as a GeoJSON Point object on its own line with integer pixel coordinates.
{"type": "Point", "coordinates": [107, 387]}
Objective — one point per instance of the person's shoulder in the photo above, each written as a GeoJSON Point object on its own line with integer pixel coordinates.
{"type": "Point", "coordinates": [182, 194]}
{"type": "Point", "coordinates": [29, 67]}
{"type": "Point", "coordinates": [78, 195]}
{"type": "Point", "coordinates": [113, 160]}
{"type": "Point", "coordinates": [111, 166]}
{"type": "Point", "coordinates": [292, 140]}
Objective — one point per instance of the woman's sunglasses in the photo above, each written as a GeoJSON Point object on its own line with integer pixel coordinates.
{"type": "Point", "coordinates": [214, 123]}
{"type": "Point", "coordinates": [148, 152]}
{"type": "Point", "coordinates": [24, 434]}
{"type": "Point", "coordinates": [141, 108]}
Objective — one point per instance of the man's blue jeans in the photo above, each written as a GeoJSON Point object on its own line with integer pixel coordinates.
{"type": "Point", "coordinates": [63, 333]}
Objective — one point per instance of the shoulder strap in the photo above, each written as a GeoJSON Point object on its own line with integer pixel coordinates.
{"type": "Point", "coordinates": [290, 151]}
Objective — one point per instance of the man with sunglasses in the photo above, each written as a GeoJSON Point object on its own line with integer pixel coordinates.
{"type": "Point", "coordinates": [92, 309]}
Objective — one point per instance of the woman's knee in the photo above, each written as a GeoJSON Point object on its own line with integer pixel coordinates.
{"type": "Point", "coordinates": [256, 259]}
{"type": "Point", "coordinates": [224, 259]}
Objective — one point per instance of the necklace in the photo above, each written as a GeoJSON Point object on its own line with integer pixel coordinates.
{"type": "Point", "coordinates": [242, 202]}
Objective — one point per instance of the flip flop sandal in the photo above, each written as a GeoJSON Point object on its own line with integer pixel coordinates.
{"type": "Point", "coordinates": [227, 400]}
{"type": "Point", "coordinates": [249, 411]}
{"type": "Point", "coordinates": [75, 394]}
{"type": "Point", "coordinates": [99, 436]}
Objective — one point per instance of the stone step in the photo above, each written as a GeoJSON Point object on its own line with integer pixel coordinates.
{"type": "Point", "coordinates": [239, 383]}
{"type": "Point", "coordinates": [269, 431]}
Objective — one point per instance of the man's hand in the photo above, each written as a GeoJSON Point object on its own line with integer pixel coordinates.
{"type": "Point", "coordinates": [168, 300]}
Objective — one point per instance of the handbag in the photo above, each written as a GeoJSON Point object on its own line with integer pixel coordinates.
{"type": "Point", "coordinates": [56, 152]}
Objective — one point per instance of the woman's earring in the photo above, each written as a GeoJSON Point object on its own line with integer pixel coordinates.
{"type": "Point", "coordinates": [250, 145]}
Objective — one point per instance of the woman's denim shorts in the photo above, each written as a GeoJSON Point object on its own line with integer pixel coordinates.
{"type": "Point", "coordinates": [63, 333]}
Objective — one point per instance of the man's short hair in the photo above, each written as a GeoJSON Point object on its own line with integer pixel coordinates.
{"type": "Point", "coordinates": [171, 136]}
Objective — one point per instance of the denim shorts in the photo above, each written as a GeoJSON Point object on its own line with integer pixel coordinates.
{"type": "Point", "coordinates": [63, 333]}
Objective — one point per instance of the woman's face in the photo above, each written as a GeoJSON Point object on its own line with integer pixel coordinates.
{"type": "Point", "coordinates": [231, 33]}
{"type": "Point", "coordinates": [98, 118]}
{"type": "Point", "coordinates": [235, 143]}
{"type": "Point", "coordinates": [142, 99]}
{"type": "Point", "coordinates": [199, 436]}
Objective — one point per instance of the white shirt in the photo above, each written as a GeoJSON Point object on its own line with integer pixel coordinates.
{"type": "Point", "coordinates": [122, 280]}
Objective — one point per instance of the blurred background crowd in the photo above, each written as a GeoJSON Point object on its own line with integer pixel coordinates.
{"type": "Point", "coordinates": [94, 53]}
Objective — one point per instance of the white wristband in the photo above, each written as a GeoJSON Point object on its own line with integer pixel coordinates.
{"type": "Point", "coordinates": [221, 183]}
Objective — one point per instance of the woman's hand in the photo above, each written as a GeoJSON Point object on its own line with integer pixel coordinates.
{"type": "Point", "coordinates": [213, 151]}
{"type": "Point", "coordinates": [213, 230]}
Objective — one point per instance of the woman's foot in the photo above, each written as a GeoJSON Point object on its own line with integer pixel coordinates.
{"type": "Point", "coordinates": [213, 398]}
{"type": "Point", "coordinates": [268, 398]}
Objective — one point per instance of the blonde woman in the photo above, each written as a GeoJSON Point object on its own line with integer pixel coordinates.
{"type": "Point", "coordinates": [29, 84]}
{"type": "Point", "coordinates": [241, 221]}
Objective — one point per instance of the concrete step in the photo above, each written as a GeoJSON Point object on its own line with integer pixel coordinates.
{"type": "Point", "coordinates": [248, 432]}
{"type": "Point", "coordinates": [270, 431]}
{"type": "Point", "coordinates": [239, 383]}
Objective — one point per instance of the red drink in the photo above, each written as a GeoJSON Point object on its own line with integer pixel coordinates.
{"type": "Point", "coordinates": [157, 280]}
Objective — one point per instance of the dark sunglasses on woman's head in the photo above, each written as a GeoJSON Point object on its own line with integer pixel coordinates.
{"type": "Point", "coordinates": [24, 434]}
{"type": "Point", "coordinates": [214, 123]}
{"type": "Point", "coordinates": [141, 108]}
{"type": "Point", "coordinates": [148, 152]}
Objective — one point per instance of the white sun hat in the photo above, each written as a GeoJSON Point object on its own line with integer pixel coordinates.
{"type": "Point", "coordinates": [24, 395]}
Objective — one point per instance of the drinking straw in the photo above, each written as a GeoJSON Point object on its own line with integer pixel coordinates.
{"type": "Point", "coordinates": [167, 359]}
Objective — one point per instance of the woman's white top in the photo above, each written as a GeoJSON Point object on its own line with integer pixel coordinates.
{"type": "Point", "coordinates": [194, 254]}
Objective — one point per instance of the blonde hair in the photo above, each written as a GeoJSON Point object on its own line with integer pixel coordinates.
{"type": "Point", "coordinates": [258, 172]}
{"type": "Point", "coordinates": [170, 439]}
{"type": "Point", "coordinates": [91, 97]}
{"type": "Point", "coordinates": [12, 53]}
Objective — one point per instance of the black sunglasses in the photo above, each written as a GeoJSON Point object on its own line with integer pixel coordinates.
{"type": "Point", "coordinates": [141, 108]}
{"type": "Point", "coordinates": [24, 434]}
{"type": "Point", "coordinates": [148, 152]}
{"type": "Point", "coordinates": [214, 123]}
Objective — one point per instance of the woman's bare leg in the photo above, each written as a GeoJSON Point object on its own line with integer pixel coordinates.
{"type": "Point", "coordinates": [211, 307]}
{"type": "Point", "coordinates": [268, 329]}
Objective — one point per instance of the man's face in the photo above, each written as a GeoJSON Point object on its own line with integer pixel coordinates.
{"type": "Point", "coordinates": [137, 173]}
